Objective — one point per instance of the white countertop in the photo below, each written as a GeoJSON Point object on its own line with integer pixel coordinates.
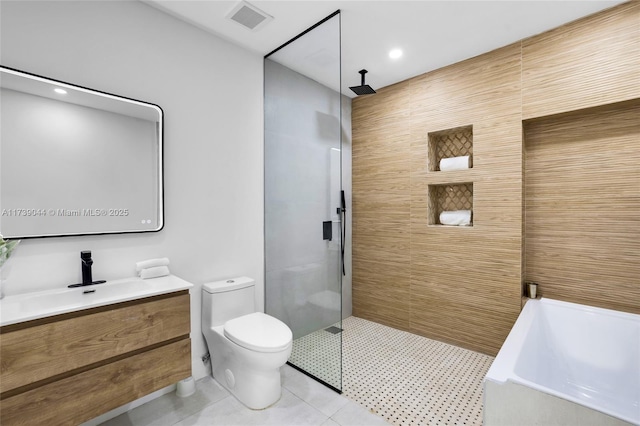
{"type": "Point", "coordinates": [42, 304]}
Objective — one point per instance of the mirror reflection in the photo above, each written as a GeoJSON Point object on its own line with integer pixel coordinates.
{"type": "Point", "coordinates": [75, 161]}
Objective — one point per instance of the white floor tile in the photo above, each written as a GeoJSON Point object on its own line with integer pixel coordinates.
{"type": "Point", "coordinates": [170, 409]}
{"type": "Point", "coordinates": [315, 394]}
{"type": "Point", "coordinates": [288, 411]}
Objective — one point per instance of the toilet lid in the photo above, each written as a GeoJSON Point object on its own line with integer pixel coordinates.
{"type": "Point", "coordinates": [258, 332]}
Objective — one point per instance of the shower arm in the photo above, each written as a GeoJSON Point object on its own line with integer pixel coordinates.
{"type": "Point", "coordinates": [362, 73]}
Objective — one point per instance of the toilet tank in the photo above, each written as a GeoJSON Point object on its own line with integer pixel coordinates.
{"type": "Point", "coordinates": [227, 299]}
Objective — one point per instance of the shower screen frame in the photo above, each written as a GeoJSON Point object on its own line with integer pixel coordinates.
{"type": "Point", "coordinates": [304, 255]}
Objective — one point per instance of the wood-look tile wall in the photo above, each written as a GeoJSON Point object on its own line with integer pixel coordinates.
{"type": "Point", "coordinates": [460, 284]}
{"type": "Point", "coordinates": [591, 62]}
{"type": "Point", "coordinates": [582, 181]}
{"type": "Point", "coordinates": [444, 283]}
{"type": "Point", "coordinates": [582, 160]}
{"type": "Point", "coordinates": [382, 207]}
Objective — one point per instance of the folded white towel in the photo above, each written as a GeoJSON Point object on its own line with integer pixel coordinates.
{"type": "Point", "coordinates": [154, 272]}
{"type": "Point", "coordinates": [454, 163]}
{"type": "Point", "coordinates": [163, 261]}
{"type": "Point", "coordinates": [456, 217]}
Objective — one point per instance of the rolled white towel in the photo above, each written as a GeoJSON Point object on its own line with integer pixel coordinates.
{"type": "Point", "coordinates": [456, 217]}
{"type": "Point", "coordinates": [454, 163]}
{"type": "Point", "coordinates": [162, 261]}
{"type": "Point", "coordinates": [154, 272]}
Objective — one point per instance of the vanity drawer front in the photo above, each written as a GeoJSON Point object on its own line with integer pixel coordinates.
{"type": "Point", "coordinates": [78, 340]}
{"type": "Point", "coordinates": [87, 395]}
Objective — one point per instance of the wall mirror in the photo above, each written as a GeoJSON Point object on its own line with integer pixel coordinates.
{"type": "Point", "coordinates": [76, 161]}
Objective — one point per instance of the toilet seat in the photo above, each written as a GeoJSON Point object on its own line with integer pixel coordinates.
{"type": "Point", "coordinates": [258, 332]}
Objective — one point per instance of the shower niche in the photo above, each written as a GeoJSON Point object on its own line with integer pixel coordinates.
{"type": "Point", "coordinates": [448, 144]}
{"type": "Point", "coordinates": [449, 164]}
{"type": "Point", "coordinates": [449, 198]}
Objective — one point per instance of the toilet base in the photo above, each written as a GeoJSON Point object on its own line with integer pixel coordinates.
{"type": "Point", "coordinates": [257, 392]}
{"type": "Point", "coordinates": [252, 377]}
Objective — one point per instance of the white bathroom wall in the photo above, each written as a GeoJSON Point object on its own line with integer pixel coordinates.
{"type": "Point", "coordinates": [211, 94]}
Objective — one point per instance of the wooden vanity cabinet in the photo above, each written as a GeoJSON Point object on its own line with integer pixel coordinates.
{"type": "Point", "coordinates": [70, 368]}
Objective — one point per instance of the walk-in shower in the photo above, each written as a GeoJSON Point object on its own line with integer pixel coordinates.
{"type": "Point", "coordinates": [305, 206]}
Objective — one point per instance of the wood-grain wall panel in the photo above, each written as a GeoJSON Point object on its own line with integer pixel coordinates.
{"type": "Point", "coordinates": [464, 282]}
{"type": "Point", "coordinates": [445, 266]}
{"type": "Point", "coordinates": [382, 292]}
{"type": "Point", "coordinates": [463, 285]}
{"type": "Point", "coordinates": [386, 244]}
{"type": "Point", "coordinates": [582, 182]}
{"type": "Point", "coordinates": [381, 208]}
{"type": "Point", "coordinates": [563, 68]}
{"type": "Point", "coordinates": [459, 323]}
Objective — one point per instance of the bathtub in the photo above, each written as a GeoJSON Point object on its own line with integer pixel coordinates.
{"type": "Point", "coordinates": [566, 364]}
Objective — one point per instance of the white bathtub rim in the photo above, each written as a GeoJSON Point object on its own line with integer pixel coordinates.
{"type": "Point", "coordinates": [520, 381]}
{"type": "Point", "coordinates": [503, 371]}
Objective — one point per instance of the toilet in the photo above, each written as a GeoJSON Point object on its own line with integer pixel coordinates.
{"type": "Point", "coordinates": [247, 347]}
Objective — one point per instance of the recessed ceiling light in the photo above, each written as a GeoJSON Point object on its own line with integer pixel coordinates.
{"type": "Point", "coordinates": [60, 91]}
{"type": "Point", "coordinates": [395, 53]}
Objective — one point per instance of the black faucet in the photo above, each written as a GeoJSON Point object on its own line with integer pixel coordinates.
{"type": "Point", "coordinates": [85, 259]}
{"type": "Point", "coordinates": [86, 262]}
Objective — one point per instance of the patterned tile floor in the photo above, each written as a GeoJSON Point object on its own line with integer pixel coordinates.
{"type": "Point", "coordinates": [318, 353]}
{"type": "Point", "coordinates": [404, 378]}
{"type": "Point", "coordinates": [401, 378]}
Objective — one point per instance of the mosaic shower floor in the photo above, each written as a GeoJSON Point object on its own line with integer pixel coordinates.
{"type": "Point", "coordinates": [404, 378]}
{"type": "Point", "coordinates": [318, 353]}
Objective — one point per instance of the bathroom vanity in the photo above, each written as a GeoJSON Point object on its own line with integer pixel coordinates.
{"type": "Point", "coordinates": [85, 353]}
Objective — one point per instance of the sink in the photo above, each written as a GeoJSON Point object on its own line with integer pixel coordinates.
{"type": "Point", "coordinates": [80, 296]}
{"type": "Point", "coordinates": [30, 306]}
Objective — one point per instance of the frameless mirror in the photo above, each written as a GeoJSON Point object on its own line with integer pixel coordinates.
{"type": "Point", "coordinates": [76, 161]}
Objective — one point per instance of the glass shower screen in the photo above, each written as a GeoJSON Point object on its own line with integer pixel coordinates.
{"type": "Point", "coordinates": [303, 207]}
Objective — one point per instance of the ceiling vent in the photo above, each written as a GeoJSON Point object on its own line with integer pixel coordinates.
{"type": "Point", "coordinates": [249, 16]}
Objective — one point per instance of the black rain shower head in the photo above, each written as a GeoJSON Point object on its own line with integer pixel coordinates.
{"type": "Point", "coordinates": [363, 89]}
